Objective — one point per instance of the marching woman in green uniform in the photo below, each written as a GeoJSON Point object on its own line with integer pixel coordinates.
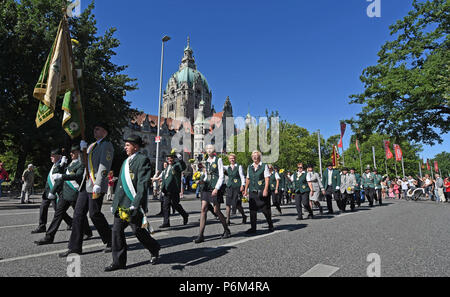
{"type": "Point", "coordinates": [70, 184]}
{"type": "Point", "coordinates": [368, 184]}
{"type": "Point", "coordinates": [274, 185]}
{"type": "Point", "coordinates": [257, 189]}
{"type": "Point", "coordinates": [130, 205]}
{"type": "Point", "coordinates": [377, 180]}
{"type": "Point", "coordinates": [235, 186]}
{"type": "Point", "coordinates": [302, 189]}
{"type": "Point", "coordinates": [59, 163]}
{"type": "Point", "coordinates": [212, 182]}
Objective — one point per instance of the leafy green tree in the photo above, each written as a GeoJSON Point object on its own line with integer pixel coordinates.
{"type": "Point", "coordinates": [408, 91]}
{"type": "Point", "coordinates": [27, 31]}
{"type": "Point", "coordinates": [443, 160]}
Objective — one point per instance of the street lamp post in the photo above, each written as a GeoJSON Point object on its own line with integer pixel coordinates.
{"type": "Point", "coordinates": [164, 39]}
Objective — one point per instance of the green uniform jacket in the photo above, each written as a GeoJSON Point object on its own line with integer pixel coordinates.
{"type": "Point", "coordinates": [273, 182]}
{"type": "Point", "coordinates": [234, 179]}
{"type": "Point", "coordinates": [57, 169]}
{"type": "Point", "coordinates": [76, 171]}
{"type": "Point", "coordinates": [377, 181]}
{"type": "Point", "coordinates": [282, 182]}
{"type": "Point", "coordinates": [368, 182]}
{"type": "Point", "coordinates": [358, 182]}
{"type": "Point", "coordinates": [300, 183]}
{"type": "Point", "coordinates": [335, 179]}
{"type": "Point", "coordinates": [257, 179]}
{"type": "Point", "coordinates": [140, 173]}
{"type": "Point", "coordinates": [172, 183]}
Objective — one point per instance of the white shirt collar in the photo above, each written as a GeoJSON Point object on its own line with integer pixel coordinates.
{"type": "Point", "coordinates": [132, 156]}
{"type": "Point", "coordinates": [100, 140]}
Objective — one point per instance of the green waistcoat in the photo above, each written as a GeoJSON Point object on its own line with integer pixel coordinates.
{"type": "Point", "coordinates": [272, 182]}
{"type": "Point", "coordinates": [300, 183]}
{"type": "Point", "coordinates": [212, 169]}
{"type": "Point", "coordinates": [377, 181]}
{"type": "Point", "coordinates": [76, 171]}
{"type": "Point", "coordinates": [368, 182]}
{"type": "Point", "coordinates": [358, 182]}
{"type": "Point", "coordinates": [257, 180]}
{"type": "Point", "coordinates": [234, 179]}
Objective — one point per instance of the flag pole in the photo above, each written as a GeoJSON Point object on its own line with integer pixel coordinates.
{"type": "Point", "coordinates": [420, 169]}
{"type": "Point", "coordinates": [320, 153]}
{"type": "Point", "coordinates": [395, 166]}
{"type": "Point", "coordinates": [403, 167]}
{"type": "Point", "coordinates": [373, 153]}
{"type": "Point", "coordinates": [77, 90]}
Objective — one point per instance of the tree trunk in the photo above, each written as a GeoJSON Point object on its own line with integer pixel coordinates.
{"type": "Point", "coordinates": [20, 166]}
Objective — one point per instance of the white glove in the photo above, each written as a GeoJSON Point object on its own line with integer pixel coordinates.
{"type": "Point", "coordinates": [51, 196]}
{"type": "Point", "coordinates": [57, 176]}
{"type": "Point", "coordinates": [132, 208]}
{"type": "Point", "coordinates": [97, 189]}
{"type": "Point", "coordinates": [179, 156]}
{"type": "Point", "coordinates": [111, 209]}
{"type": "Point", "coordinates": [63, 160]}
{"type": "Point", "coordinates": [337, 188]}
{"type": "Point", "coordinates": [83, 145]}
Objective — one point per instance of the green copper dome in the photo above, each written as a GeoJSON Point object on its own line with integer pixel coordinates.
{"type": "Point", "coordinates": [188, 75]}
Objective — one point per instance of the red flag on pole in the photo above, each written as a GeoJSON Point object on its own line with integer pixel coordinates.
{"type": "Point", "coordinates": [357, 146]}
{"type": "Point", "coordinates": [428, 165]}
{"type": "Point", "coordinates": [398, 152]}
{"type": "Point", "coordinates": [389, 154]}
{"type": "Point", "coordinates": [436, 167]}
{"type": "Point", "coordinates": [343, 126]}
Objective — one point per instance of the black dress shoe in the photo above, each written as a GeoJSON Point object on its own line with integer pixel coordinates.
{"type": "Point", "coordinates": [65, 254]}
{"type": "Point", "coordinates": [310, 216]}
{"type": "Point", "coordinates": [330, 212]}
{"type": "Point", "coordinates": [154, 258]}
{"type": "Point", "coordinates": [226, 234]}
{"type": "Point", "coordinates": [44, 241]}
{"type": "Point", "coordinates": [114, 267]}
{"type": "Point", "coordinates": [244, 220]}
{"type": "Point", "coordinates": [271, 228]}
{"type": "Point", "coordinates": [185, 220]}
{"type": "Point", "coordinates": [164, 226]}
{"type": "Point", "coordinates": [250, 231]}
{"type": "Point", "coordinates": [199, 239]}
{"type": "Point", "coordinates": [38, 230]}
{"type": "Point", "coordinates": [299, 218]}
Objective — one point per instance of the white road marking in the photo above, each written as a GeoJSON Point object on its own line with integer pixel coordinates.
{"type": "Point", "coordinates": [234, 243]}
{"type": "Point", "coordinates": [132, 240]}
{"type": "Point", "coordinates": [18, 226]}
{"type": "Point", "coordinates": [320, 270]}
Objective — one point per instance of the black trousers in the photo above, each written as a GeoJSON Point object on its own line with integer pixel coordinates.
{"type": "Point", "coordinates": [302, 199]}
{"type": "Point", "coordinates": [257, 202]}
{"type": "Point", "coordinates": [43, 211]}
{"type": "Point", "coordinates": [329, 195]}
{"type": "Point", "coordinates": [369, 193]}
{"type": "Point", "coordinates": [172, 199]}
{"type": "Point", "coordinates": [357, 196]}
{"type": "Point", "coordinates": [119, 244]}
{"type": "Point", "coordinates": [380, 199]}
{"type": "Point", "coordinates": [345, 197]}
{"type": "Point", "coordinates": [84, 204]}
{"type": "Point", "coordinates": [61, 209]}
{"type": "Point", "coordinates": [276, 200]}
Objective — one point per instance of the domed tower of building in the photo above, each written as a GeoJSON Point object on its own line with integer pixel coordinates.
{"type": "Point", "coordinates": [185, 89]}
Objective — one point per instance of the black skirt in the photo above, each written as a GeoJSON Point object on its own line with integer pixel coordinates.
{"type": "Point", "coordinates": [207, 196]}
{"type": "Point", "coordinates": [257, 202]}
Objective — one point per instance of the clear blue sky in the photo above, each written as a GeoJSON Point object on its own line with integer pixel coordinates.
{"type": "Point", "coordinates": [302, 58]}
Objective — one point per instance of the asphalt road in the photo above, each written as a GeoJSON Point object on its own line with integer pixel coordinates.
{"type": "Point", "coordinates": [405, 238]}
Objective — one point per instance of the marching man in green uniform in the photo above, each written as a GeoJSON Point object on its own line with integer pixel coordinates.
{"type": "Point", "coordinates": [357, 192]}
{"type": "Point", "coordinates": [302, 188]}
{"type": "Point", "coordinates": [368, 184]}
{"type": "Point", "coordinates": [48, 198]}
{"type": "Point", "coordinates": [274, 186]}
{"type": "Point", "coordinates": [331, 181]}
{"type": "Point", "coordinates": [131, 198]}
{"type": "Point", "coordinates": [70, 183]}
{"type": "Point", "coordinates": [257, 189]}
{"type": "Point", "coordinates": [377, 180]}
{"type": "Point", "coordinates": [235, 187]}
{"type": "Point", "coordinates": [212, 182]}
{"type": "Point", "coordinates": [348, 183]}
{"type": "Point", "coordinates": [171, 187]}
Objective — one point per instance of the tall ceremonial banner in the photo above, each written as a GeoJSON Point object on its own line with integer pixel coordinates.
{"type": "Point", "coordinates": [343, 126]}
{"type": "Point", "coordinates": [436, 167]}
{"type": "Point", "coordinates": [56, 78]}
{"type": "Point", "coordinates": [335, 157]}
{"type": "Point", "coordinates": [73, 114]}
{"type": "Point", "coordinates": [428, 165]}
{"type": "Point", "coordinates": [389, 154]}
{"type": "Point", "coordinates": [398, 152]}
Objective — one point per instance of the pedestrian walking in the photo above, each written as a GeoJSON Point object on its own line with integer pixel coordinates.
{"type": "Point", "coordinates": [27, 186]}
